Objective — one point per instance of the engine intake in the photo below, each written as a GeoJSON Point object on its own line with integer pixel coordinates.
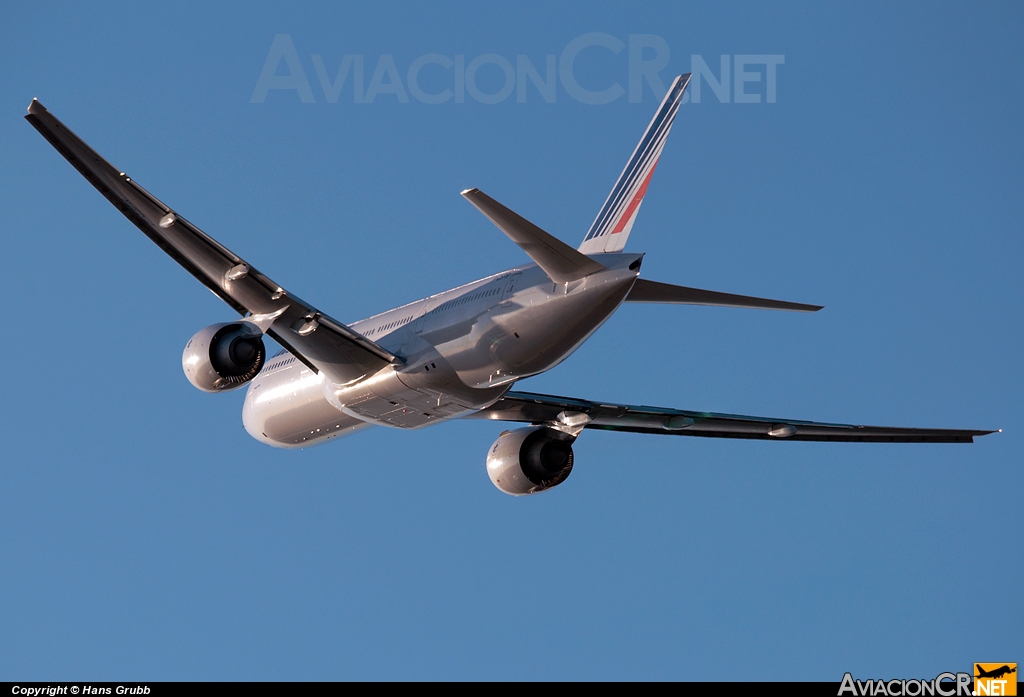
{"type": "Point", "coordinates": [530, 460]}
{"type": "Point", "coordinates": [224, 356]}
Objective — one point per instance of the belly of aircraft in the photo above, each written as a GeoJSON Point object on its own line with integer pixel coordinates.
{"type": "Point", "coordinates": [424, 391]}
{"type": "Point", "coordinates": [288, 409]}
{"type": "Point", "coordinates": [292, 408]}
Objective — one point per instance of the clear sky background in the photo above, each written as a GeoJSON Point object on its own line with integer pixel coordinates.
{"type": "Point", "coordinates": [145, 535]}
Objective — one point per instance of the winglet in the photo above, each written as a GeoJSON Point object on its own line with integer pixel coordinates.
{"type": "Point", "coordinates": [560, 262]}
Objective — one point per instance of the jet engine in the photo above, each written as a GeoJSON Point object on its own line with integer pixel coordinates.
{"type": "Point", "coordinates": [224, 356]}
{"type": "Point", "coordinates": [530, 460]}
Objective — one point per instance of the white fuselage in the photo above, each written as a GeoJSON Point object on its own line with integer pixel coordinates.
{"type": "Point", "coordinates": [462, 350]}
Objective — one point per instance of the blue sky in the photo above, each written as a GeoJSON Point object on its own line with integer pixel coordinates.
{"type": "Point", "coordinates": [144, 535]}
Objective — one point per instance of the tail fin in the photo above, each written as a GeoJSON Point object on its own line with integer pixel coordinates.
{"type": "Point", "coordinates": [611, 228]}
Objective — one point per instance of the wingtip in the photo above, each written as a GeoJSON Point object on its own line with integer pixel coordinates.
{"type": "Point", "coordinates": [466, 192]}
{"type": "Point", "coordinates": [35, 106]}
{"type": "Point", "coordinates": [803, 307]}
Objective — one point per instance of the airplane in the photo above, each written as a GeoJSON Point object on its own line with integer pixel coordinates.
{"type": "Point", "coordinates": [456, 354]}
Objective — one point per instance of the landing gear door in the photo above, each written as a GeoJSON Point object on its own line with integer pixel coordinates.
{"type": "Point", "coordinates": [510, 288]}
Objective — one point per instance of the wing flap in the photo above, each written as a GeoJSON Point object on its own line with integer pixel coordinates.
{"type": "Point", "coordinates": [325, 344]}
{"type": "Point", "coordinates": [528, 407]}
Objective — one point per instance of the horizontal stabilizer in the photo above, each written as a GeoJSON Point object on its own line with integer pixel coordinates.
{"type": "Point", "coordinates": [653, 292]}
{"type": "Point", "coordinates": [560, 262]}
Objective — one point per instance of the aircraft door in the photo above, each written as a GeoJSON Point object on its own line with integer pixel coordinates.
{"type": "Point", "coordinates": [418, 326]}
{"type": "Point", "coordinates": [510, 288]}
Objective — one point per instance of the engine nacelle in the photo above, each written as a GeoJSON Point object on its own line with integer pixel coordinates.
{"type": "Point", "coordinates": [224, 356]}
{"type": "Point", "coordinates": [530, 460]}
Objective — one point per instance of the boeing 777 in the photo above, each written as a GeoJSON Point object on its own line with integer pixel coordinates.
{"type": "Point", "coordinates": [455, 354]}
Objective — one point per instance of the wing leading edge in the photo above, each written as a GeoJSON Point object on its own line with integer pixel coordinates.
{"type": "Point", "coordinates": [527, 407]}
{"type": "Point", "coordinates": [322, 343]}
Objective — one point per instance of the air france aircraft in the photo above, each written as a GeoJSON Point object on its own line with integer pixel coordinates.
{"type": "Point", "coordinates": [456, 354]}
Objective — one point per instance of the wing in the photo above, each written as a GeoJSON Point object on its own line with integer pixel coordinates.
{"type": "Point", "coordinates": [540, 408]}
{"type": "Point", "coordinates": [322, 343]}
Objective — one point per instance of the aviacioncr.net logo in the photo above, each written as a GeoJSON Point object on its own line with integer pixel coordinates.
{"type": "Point", "coordinates": [995, 679]}
{"type": "Point", "coordinates": [943, 685]}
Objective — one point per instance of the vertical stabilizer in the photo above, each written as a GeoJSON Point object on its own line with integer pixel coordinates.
{"type": "Point", "coordinates": [611, 228]}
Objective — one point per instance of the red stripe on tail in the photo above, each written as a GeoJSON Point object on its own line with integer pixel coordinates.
{"type": "Point", "coordinates": [628, 213]}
